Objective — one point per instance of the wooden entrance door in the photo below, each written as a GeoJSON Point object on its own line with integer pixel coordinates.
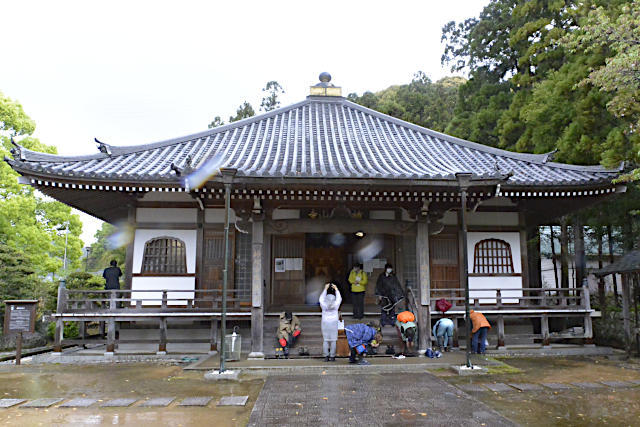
{"type": "Point", "coordinates": [445, 266]}
{"type": "Point", "coordinates": [213, 262]}
{"type": "Point", "coordinates": [288, 287]}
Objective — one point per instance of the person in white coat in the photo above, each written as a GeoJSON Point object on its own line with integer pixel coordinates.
{"type": "Point", "coordinates": [330, 301]}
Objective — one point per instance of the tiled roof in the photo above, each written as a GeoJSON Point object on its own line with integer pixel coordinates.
{"type": "Point", "coordinates": [629, 263]}
{"type": "Point", "coordinates": [320, 137]}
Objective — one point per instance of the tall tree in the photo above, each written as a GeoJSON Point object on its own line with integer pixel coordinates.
{"type": "Point", "coordinates": [617, 31]}
{"type": "Point", "coordinates": [244, 111]}
{"type": "Point", "coordinates": [271, 100]}
{"type": "Point", "coordinates": [102, 251]}
{"type": "Point", "coordinates": [30, 223]}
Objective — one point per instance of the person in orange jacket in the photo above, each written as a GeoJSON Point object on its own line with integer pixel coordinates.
{"type": "Point", "coordinates": [480, 328]}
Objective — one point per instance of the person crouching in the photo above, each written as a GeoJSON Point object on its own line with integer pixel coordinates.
{"type": "Point", "coordinates": [360, 338]}
{"type": "Point", "coordinates": [289, 330]}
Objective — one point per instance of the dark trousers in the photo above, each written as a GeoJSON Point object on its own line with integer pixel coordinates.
{"type": "Point", "coordinates": [358, 304]}
{"type": "Point", "coordinates": [478, 339]}
{"type": "Point", "coordinates": [353, 357]}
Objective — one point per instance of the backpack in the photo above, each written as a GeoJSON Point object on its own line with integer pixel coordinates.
{"type": "Point", "coordinates": [443, 305]}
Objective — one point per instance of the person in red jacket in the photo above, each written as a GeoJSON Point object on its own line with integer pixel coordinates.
{"type": "Point", "coordinates": [480, 328]}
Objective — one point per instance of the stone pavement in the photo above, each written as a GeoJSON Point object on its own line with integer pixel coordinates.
{"type": "Point", "coordinates": [371, 399]}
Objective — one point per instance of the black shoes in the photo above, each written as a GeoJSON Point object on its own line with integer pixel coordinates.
{"type": "Point", "coordinates": [332, 359]}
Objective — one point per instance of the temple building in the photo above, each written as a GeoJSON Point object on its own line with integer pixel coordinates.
{"type": "Point", "coordinates": [316, 187]}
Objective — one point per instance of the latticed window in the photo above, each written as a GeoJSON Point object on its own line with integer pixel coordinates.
{"type": "Point", "coordinates": [164, 255]}
{"type": "Point", "coordinates": [492, 256]}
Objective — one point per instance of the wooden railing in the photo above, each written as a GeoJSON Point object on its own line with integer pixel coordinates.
{"type": "Point", "coordinates": [166, 300]}
{"type": "Point", "coordinates": [514, 298]}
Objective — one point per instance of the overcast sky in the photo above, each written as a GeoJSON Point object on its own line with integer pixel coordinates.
{"type": "Point", "coordinates": [134, 72]}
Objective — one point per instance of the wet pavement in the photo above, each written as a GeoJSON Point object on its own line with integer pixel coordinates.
{"type": "Point", "coordinates": [561, 392]}
{"type": "Point", "coordinates": [374, 399]}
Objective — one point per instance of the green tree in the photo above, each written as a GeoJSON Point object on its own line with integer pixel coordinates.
{"type": "Point", "coordinates": [271, 100]}
{"type": "Point", "coordinates": [101, 251]}
{"type": "Point", "coordinates": [244, 111]}
{"type": "Point", "coordinates": [17, 279]}
{"type": "Point", "coordinates": [421, 102]}
{"type": "Point", "coordinates": [217, 121]}
{"type": "Point", "coordinates": [616, 30]}
{"type": "Point", "coordinates": [30, 223]}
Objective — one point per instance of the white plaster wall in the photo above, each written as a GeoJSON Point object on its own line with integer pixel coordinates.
{"type": "Point", "coordinates": [382, 215]}
{"type": "Point", "coordinates": [217, 216]}
{"type": "Point", "coordinates": [142, 236]}
{"type": "Point", "coordinates": [477, 283]}
{"type": "Point", "coordinates": [181, 215]}
{"type": "Point", "coordinates": [286, 214]}
{"type": "Point", "coordinates": [143, 285]}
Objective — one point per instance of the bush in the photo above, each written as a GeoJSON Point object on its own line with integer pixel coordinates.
{"type": "Point", "coordinates": [70, 330]}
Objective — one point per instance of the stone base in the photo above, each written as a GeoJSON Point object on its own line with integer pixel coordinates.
{"type": "Point", "coordinates": [226, 375]}
{"type": "Point", "coordinates": [56, 353]}
{"type": "Point", "coordinates": [255, 355]}
{"type": "Point", "coordinates": [546, 347]}
{"type": "Point", "coordinates": [464, 370]}
{"type": "Point", "coordinates": [212, 352]}
{"type": "Point", "coordinates": [108, 354]}
{"type": "Point", "coordinates": [502, 347]}
{"type": "Point", "coordinates": [161, 353]}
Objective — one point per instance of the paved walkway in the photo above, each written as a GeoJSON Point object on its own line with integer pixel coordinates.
{"type": "Point", "coordinates": [368, 399]}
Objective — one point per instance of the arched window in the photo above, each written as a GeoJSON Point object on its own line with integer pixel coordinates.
{"type": "Point", "coordinates": [164, 256]}
{"type": "Point", "coordinates": [492, 256]}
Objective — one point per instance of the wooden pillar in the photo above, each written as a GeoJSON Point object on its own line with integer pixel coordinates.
{"type": "Point", "coordinates": [578, 243]}
{"type": "Point", "coordinates": [626, 313]}
{"type": "Point", "coordinates": [456, 340]}
{"type": "Point", "coordinates": [257, 297]}
{"type": "Point", "coordinates": [111, 335]}
{"type": "Point", "coordinates": [162, 345]}
{"type": "Point", "coordinates": [588, 324]}
{"type": "Point", "coordinates": [199, 253]}
{"type": "Point", "coordinates": [60, 308]}
{"type": "Point", "coordinates": [544, 330]}
{"type": "Point", "coordinates": [424, 286]}
{"type": "Point", "coordinates": [501, 332]}
{"type": "Point", "coordinates": [128, 261]}
{"type": "Point", "coordinates": [213, 336]}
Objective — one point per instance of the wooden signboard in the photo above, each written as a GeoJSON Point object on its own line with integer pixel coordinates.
{"type": "Point", "coordinates": [19, 317]}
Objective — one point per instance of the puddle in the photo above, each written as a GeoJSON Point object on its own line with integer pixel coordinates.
{"type": "Point", "coordinates": [137, 381]}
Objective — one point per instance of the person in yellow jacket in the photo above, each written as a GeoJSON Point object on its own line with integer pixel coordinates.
{"type": "Point", "coordinates": [358, 280]}
{"type": "Point", "coordinates": [480, 326]}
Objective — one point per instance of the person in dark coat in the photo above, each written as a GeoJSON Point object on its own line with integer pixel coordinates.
{"type": "Point", "coordinates": [112, 276]}
{"type": "Point", "coordinates": [389, 294]}
{"type": "Point", "coordinates": [360, 337]}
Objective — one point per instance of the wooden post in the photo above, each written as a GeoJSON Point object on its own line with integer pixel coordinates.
{"type": "Point", "coordinates": [111, 335]}
{"type": "Point", "coordinates": [544, 329]}
{"type": "Point", "coordinates": [500, 332]}
{"type": "Point", "coordinates": [19, 348]}
{"type": "Point", "coordinates": [423, 287]}
{"type": "Point", "coordinates": [112, 300]}
{"type": "Point", "coordinates": [101, 329]}
{"type": "Point", "coordinates": [164, 299]}
{"type": "Point", "coordinates": [626, 314]}
{"type": "Point", "coordinates": [59, 336]}
{"type": "Point", "coordinates": [213, 335]}
{"type": "Point", "coordinates": [456, 341]}
{"type": "Point", "coordinates": [498, 298]}
{"type": "Point", "coordinates": [128, 261]}
{"type": "Point", "coordinates": [162, 345]}
{"type": "Point", "coordinates": [257, 294]}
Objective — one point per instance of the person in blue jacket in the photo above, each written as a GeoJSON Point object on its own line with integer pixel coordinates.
{"type": "Point", "coordinates": [360, 336]}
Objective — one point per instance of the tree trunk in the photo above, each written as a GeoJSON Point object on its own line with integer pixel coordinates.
{"type": "Point", "coordinates": [564, 254]}
{"type": "Point", "coordinates": [616, 297]}
{"type": "Point", "coordinates": [553, 256]}
{"type": "Point", "coordinates": [601, 293]}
